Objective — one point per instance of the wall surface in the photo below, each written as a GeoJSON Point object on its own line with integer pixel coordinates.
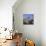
{"type": "Point", "coordinates": [29, 31]}
{"type": "Point", "coordinates": [43, 22]}
{"type": "Point", "coordinates": [6, 13]}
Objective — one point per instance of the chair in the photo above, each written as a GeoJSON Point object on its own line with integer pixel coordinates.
{"type": "Point", "coordinates": [18, 39]}
{"type": "Point", "coordinates": [29, 43]}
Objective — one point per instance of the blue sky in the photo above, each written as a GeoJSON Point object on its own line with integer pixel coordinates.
{"type": "Point", "coordinates": [28, 16]}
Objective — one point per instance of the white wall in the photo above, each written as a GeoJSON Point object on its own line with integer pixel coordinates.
{"type": "Point", "coordinates": [43, 22]}
{"type": "Point", "coordinates": [6, 13]}
{"type": "Point", "coordinates": [30, 31]}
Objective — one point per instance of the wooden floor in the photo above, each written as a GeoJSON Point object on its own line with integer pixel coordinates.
{"type": "Point", "coordinates": [9, 43]}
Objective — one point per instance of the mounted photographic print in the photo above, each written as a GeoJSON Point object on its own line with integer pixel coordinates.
{"type": "Point", "coordinates": [28, 19]}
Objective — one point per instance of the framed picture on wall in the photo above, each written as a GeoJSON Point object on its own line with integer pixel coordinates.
{"type": "Point", "coordinates": [28, 19]}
